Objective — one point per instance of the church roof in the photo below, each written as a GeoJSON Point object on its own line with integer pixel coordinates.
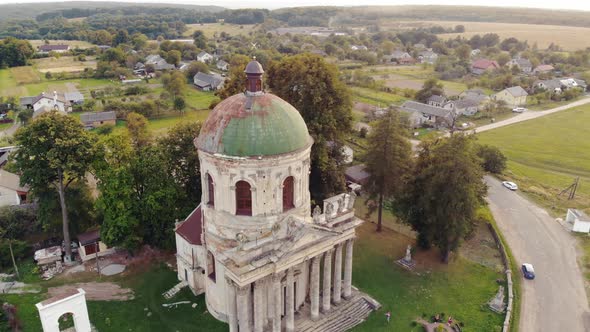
{"type": "Point", "coordinates": [253, 124]}
{"type": "Point", "coordinates": [191, 228]}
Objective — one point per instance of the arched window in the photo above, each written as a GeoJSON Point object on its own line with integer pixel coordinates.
{"type": "Point", "coordinates": [288, 190]}
{"type": "Point", "coordinates": [243, 199]}
{"type": "Point", "coordinates": [211, 266]}
{"type": "Point", "coordinates": [210, 191]}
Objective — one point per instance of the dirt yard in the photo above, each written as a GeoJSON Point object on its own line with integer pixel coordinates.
{"type": "Point", "coordinates": [95, 291]}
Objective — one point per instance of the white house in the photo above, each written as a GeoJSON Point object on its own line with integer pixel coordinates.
{"type": "Point", "coordinates": [46, 102]}
{"type": "Point", "coordinates": [222, 65]}
{"type": "Point", "coordinates": [190, 253]}
{"type": "Point", "coordinates": [11, 192]}
{"type": "Point", "coordinates": [204, 57]}
{"type": "Point", "coordinates": [579, 220]}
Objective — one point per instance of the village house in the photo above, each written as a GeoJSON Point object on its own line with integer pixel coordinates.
{"type": "Point", "coordinates": [11, 192]}
{"type": "Point", "coordinates": [97, 119]}
{"type": "Point", "coordinates": [467, 107]}
{"type": "Point", "coordinates": [436, 100]}
{"type": "Point", "coordinates": [424, 114]}
{"type": "Point", "coordinates": [475, 52]}
{"type": "Point", "coordinates": [543, 69]}
{"type": "Point", "coordinates": [90, 246]}
{"type": "Point", "coordinates": [578, 220]}
{"type": "Point", "coordinates": [359, 48]}
{"type": "Point", "coordinates": [357, 174]}
{"type": "Point", "coordinates": [481, 66]}
{"type": "Point", "coordinates": [402, 58]}
{"type": "Point", "coordinates": [74, 97]}
{"type": "Point", "coordinates": [61, 48]}
{"type": "Point", "coordinates": [477, 95]}
{"type": "Point", "coordinates": [558, 85]}
{"type": "Point", "coordinates": [254, 246]}
{"type": "Point", "coordinates": [158, 62]}
{"type": "Point", "coordinates": [521, 63]}
{"type": "Point", "coordinates": [204, 57]}
{"type": "Point", "coordinates": [208, 82]}
{"type": "Point", "coordinates": [513, 97]}
{"type": "Point", "coordinates": [427, 57]}
{"type": "Point", "coordinates": [222, 65]}
{"type": "Point", "coordinates": [46, 102]}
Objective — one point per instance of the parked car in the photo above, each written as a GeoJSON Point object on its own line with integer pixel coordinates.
{"type": "Point", "coordinates": [518, 109]}
{"type": "Point", "coordinates": [528, 271]}
{"type": "Point", "coordinates": [510, 185]}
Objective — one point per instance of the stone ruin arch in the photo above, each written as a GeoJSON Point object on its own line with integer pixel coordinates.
{"type": "Point", "coordinates": [51, 310]}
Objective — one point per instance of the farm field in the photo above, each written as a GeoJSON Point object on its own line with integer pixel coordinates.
{"type": "Point", "coordinates": [63, 64]}
{"type": "Point", "coordinates": [377, 98]}
{"type": "Point", "coordinates": [211, 28]}
{"type": "Point", "coordinates": [73, 43]}
{"type": "Point", "coordinates": [546, 154]}
{"type": "Point", "coordinates": [569, 38]}
{"type": "Point", "coordinates": [25, 75]}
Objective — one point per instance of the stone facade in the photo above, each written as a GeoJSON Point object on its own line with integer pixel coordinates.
{"type": "Point", "coordinates": [262, 255]}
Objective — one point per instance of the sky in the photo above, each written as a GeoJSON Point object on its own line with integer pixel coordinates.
{"type": "Point", "coordinates": [273, 4]}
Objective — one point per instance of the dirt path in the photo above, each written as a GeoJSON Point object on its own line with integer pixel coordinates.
{"type": "Point", "coordinates": [95, 291]}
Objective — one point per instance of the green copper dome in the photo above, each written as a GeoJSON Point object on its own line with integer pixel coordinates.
{"type": "Point", "coordinates": [253, 124]}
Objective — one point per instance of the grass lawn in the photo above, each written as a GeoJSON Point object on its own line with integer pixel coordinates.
{"type": "Point", "coordinates": [210, 29]}
{"type": "Point", "coordinates": [546, 154]}
{"type": "Point", "coordinates": [25, 75]}
{"type": "Point", "coordinates": [378, 98]}
{"type": "Point", "coordinates": [160, 126]}
{"type": "Point", "coordinates": [460, 289]}
{"type": "Point", "coordinates": [198, 100]}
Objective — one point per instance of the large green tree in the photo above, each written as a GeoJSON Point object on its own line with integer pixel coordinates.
{"type": "Point", "coordinates": [388, 160]}
{"type": "Point", "coordinates": [53, 151]}
{"type": "Point", "coordinates": [313, 87]}
{"type": "Point", "coordinates": [15, 52]}
{"type": "Point", "coordinates": [444, 192]}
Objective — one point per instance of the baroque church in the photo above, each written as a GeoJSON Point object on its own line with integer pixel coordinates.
{"type": "Point", "coordinates": [263, 258]}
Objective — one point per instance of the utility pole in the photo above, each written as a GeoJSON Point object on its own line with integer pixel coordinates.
{"type": "Point", "coordinates": [13, 261]}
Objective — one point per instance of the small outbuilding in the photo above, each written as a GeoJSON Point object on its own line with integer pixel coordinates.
{"type": "Point", "coordinates": [357, 174]}
{"type": "Point", "coordinates": [97, 119]}
{"type": "Point", "coordinates": [579, 220]}
{"type": "Point", "coordinates": [91, 245]}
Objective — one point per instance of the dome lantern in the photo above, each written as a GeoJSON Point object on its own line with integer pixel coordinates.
{"type": "Point", "coordinates": [254, 73]}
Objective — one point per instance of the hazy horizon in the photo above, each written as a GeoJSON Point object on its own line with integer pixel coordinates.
{"type": "Point", "coordinates": [274, 4]}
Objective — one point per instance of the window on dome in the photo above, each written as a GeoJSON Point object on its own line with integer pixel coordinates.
{"type": "Point", "coordinates": [211, 191]}
{"type": "Point", "coordinates": [243, 199]}
{"type": "Point", "coordinates": [288, 191]}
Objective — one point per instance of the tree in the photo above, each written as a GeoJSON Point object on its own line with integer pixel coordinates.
{"type": "Point", "coordinates": [137, 127]}
{"type": "Point", "coordinates": [174, 83]}
{"type": "Point", "coordinates": [182, 162]}
{"type": "Point", "coordinates": [179, 104]}
{"type": "Point", "coordinates": [430, 87]}
{"type": "Point", "coordinates": [463, 52]}
{"type": "Point", "coordinates": [459, 28]}
{"type": "Point", "coordinates": [313, 87]}
{"type": "Point", "coordinates": [236, 81]}
{"type": "Point", "coordinates": [492, 159]}
{"type": "Point", "coordinates": [503, 59]}
{"type": "Point", "coordinates": [388, 159]}
{"type": "Point", "coordinates": [121, 37]}
{"type": "Point", "coordinates": [200, 39]}
{"type": "Point", "coordinates": [173, 57]}
{"type": "Point", "coordinates": [53, 151]}
{"type": "Point", "coordinates": [15, 52]}
{"type": "Point", "coordinates": [196, 67]}
{"type": "Point", "coordinates": [444, 192]}
{"type": "Point", "coordinates": [139, 41]}
{"type": "Point", "coordinates": [15, 223]}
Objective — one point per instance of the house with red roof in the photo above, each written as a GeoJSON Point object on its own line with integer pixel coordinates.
{"type": "Point", "coordinates": [481, 66]}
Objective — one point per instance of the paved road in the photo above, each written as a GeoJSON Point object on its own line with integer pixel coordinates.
{"type": "Point", "coordinates": [556, 299]}
{"type": "Point", "coordinates": [532, 115]}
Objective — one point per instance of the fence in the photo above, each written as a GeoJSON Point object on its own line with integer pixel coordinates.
{"type": "Point", "coordinates": [506, 263]}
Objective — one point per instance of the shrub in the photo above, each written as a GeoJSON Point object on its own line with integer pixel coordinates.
{"type": "Point", "coordinates": [20, 249]}
{"type": "Point", "coordinates": [363, 132]}
{"type": "Point", "coordinates": [104, 130]}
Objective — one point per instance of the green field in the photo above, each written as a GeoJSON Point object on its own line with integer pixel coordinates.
{"type": "Point", "coordinates": [377, 98]}
{"type": "Point", "coordinates": [210, 29]}
{"type": "Point", "coordinates": [546, 154]}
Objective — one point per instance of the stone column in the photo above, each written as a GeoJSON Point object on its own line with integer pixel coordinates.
{"type": "Point", "coordinates": [232, 315]}
{"type": "Point", "coordinates": [276, 294]}
{"type": "Point", "coordinates": [259, 305]}
{"type": "Point", "coordinates": [243, 311]}
{"type": "Point", "coordinates": [290, 298]}
{"type": "Point", "coordinates": [314, 285]}
{"type": "Point", "coordinates": [327, 285]}
{"type": "Point", "coordinates": [347, 292]}
{"type": "Point", "coordinates": [337, 288]}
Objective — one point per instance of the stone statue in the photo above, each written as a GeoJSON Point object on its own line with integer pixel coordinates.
{"type": "Point", "coordinates": [329, 209]}
{"type": "Point", "coordinates": [351, 199]}
{"type": "Point", "coordinates": [241, 238]}
{"type": "Point", "coordinates": [317, 212]}
{"type": "Point", "coordinates": [341, 206]}
{"type": "Point", "coordinates": [408, 257]}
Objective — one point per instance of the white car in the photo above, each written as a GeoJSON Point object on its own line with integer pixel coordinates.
{"type": "Point", "coordinates": [518, 109]}
{"type": "Point", "coordinates": [510, 185]}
